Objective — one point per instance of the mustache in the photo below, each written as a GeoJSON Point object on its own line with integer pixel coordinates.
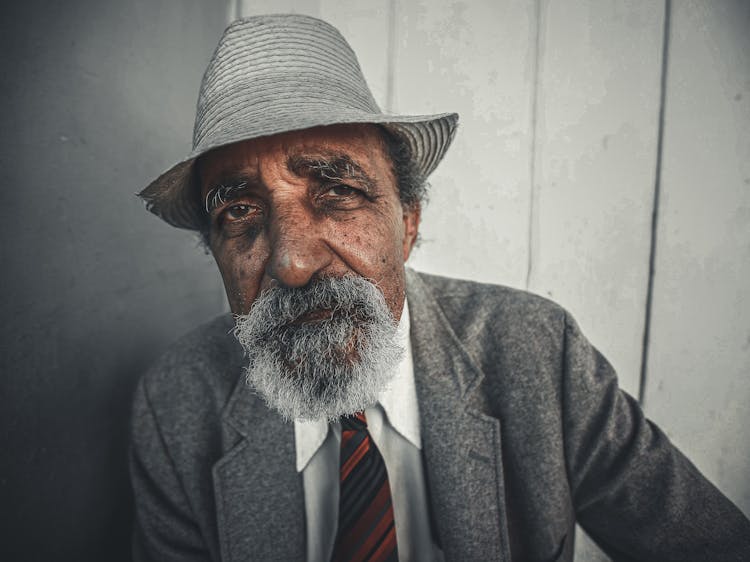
{"type": "Point", "coordinates": [282, 307]}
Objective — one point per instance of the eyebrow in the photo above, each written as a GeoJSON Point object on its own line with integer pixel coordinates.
{"type": "Point", "coordinates": [226, 190]}
{"type": "Point", "coordinates": [331, 167]}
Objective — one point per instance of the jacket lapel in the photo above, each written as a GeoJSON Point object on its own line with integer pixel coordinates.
{"type": "Point", "coordinates": [259, 497]}
{"type": "Point", "coordinates": [461, 444]}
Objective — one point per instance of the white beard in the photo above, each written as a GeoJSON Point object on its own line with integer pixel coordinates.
{"type": "Point", "coordinates": [326, 368]}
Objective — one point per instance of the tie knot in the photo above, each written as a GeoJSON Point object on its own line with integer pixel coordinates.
{"type": "Point", "coordinates": [357, 422]}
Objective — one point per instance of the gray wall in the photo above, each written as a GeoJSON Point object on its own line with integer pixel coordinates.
{"type": "Point", "coordinates": [98, 98]}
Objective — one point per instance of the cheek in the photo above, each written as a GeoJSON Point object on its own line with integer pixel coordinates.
{"type": "Point", "coordinates": [371, 244]}
{"type": "Point", "coordinates": [242, 273]}
{"type": "Point", "coordinates": [392, 264]}
{"type": "Point", "coordinates": [374, 249]}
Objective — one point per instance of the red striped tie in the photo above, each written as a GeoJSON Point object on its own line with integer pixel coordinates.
{"type": "Point", "coordinates": [366, 527]}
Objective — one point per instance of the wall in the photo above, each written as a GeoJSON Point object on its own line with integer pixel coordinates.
{"type": "Point", "coordinates": [602, 161]}
{"type": "Point", "coordinates": [697, 385]}
{"type": "Point", "coordinates": [98, 98]}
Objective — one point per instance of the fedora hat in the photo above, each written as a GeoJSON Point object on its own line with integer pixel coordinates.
{"type": "Point", "coordinates": [279, 73]}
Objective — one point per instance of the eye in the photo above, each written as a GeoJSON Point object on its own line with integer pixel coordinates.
{"type": "Point", "coordinates": [237, 212]}
{"type": "Point", "coordinates": [342, 197]}
{"type": "Point", "coordinates": [343, 191]}
{"type": "Point", "coordinates": [238, 215]}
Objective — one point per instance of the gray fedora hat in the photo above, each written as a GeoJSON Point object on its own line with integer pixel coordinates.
{"type": "Point", "coordinates": [279, 73]}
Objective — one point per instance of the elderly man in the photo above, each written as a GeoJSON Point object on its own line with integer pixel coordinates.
{"type": "Point", "coordinates": [353, 409]}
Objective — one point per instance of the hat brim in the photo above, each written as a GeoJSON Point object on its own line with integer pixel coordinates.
{"type": "Point", "coordinates": [173, 196]}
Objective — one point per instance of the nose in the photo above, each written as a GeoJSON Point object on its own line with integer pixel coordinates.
{"type": "Point", "coordinates": [298, 251]}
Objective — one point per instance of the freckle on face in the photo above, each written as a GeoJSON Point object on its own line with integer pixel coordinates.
{"type": "Point", "coordinates": [366, 240]}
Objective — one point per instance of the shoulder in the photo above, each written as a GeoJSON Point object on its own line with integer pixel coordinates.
{"type": "Point", "coordinates": [195, 375]}
{"type": "Point", "coordinates": [472, 307]}
{"type": "Point", "coordinates": [516, 338]}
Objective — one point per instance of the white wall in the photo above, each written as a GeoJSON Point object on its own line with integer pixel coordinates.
{"type": "Point", "coordinates": [551, 182]}
{"type": "Point", "coordinates": [697, 384]}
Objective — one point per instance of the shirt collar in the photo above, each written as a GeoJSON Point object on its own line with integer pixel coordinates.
{"type": "Point", "coordinates": [399, 401]}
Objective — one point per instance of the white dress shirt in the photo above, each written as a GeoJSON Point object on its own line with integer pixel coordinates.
{"type": "Point", "coordinates": [393, 424]}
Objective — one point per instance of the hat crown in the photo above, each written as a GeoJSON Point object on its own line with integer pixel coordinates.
{"type": "Point", "coordinates": [267, 66]}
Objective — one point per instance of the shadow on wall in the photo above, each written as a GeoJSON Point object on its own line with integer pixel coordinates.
{"type": "Point", "coordinates": [100, 97]}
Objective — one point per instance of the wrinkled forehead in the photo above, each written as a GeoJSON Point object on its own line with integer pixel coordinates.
{"type": "Point", "coordinates": [358, 146]}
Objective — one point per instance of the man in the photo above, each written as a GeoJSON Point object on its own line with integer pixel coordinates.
{"type": "Point", "coordinates": [353, 409]}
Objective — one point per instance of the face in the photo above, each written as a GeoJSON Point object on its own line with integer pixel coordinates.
{"type": "Point", "coordinates": [307, 205]}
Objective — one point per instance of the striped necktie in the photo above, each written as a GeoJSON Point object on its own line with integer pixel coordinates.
{"type": "Point", "coordinates": [366, 529]}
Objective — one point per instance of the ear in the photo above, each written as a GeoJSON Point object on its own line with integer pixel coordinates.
{"type": "Point", "coordinates": [412, 215]}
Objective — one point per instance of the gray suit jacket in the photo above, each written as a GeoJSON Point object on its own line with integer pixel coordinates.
{"type": "Point", "coordinates": [524, 432]}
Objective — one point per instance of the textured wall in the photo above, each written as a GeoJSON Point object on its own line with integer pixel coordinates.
{"type": "Point", "coordinates": [98, 97]}
{"type": "Point", "coordinates": [697, 385]}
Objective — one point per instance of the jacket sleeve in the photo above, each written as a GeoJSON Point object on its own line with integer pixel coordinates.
{"type": "Point", "coordinates": [165, 529]}
{"type": "Point", "coordinates": [634, 492]}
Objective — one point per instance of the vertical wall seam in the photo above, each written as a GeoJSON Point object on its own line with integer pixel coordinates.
{"type": "Point", "coordinates": [655, 206]}
{"type": "Point", "coordinates": [390, 86]}
{"type": "Point", "coordinates": [531, 236]}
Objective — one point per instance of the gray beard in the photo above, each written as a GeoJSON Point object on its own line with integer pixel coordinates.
{"type": "Point", "coordinates": [326, 368]}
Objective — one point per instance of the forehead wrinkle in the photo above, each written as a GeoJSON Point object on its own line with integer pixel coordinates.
{"type": "Point", "coordinates": [331, 165]}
